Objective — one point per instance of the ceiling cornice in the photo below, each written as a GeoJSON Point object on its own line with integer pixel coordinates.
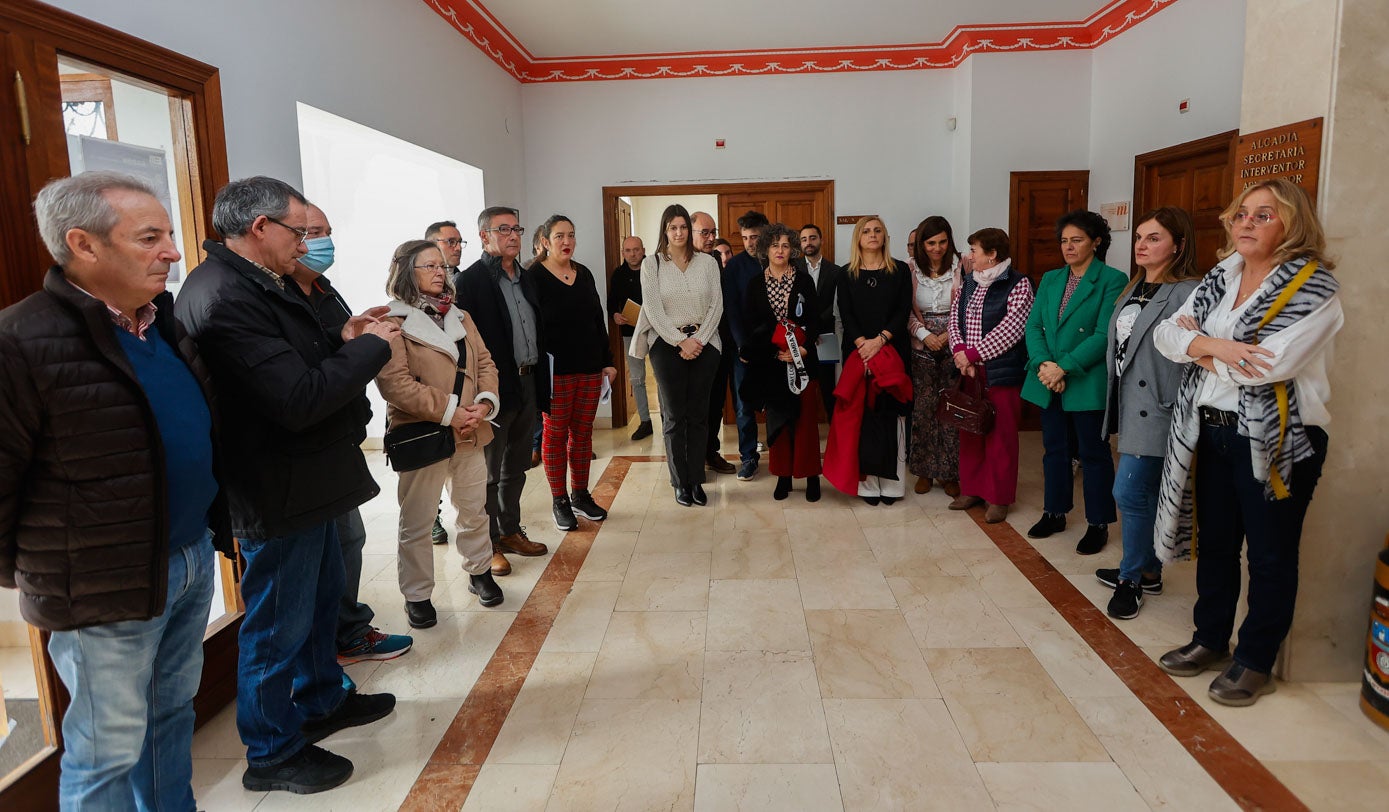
{"type": "Point", "coordinates": [471, 19]}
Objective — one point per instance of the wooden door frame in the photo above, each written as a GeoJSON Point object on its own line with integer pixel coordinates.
{"type": "Point", "coordinates": [196, 98]}
{"type": "Point", "coordinates": [612, 248]}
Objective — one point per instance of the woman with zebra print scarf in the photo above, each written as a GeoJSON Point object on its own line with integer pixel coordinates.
{"type": "Point", "coordinates": [1248, 431]}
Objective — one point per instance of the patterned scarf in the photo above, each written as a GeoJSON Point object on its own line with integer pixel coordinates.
{"type": "Point", "coordinates": [1274, 446]}
{"type": "Point", "coordinates": [436, 307]}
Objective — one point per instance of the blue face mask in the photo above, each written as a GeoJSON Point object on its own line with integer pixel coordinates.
{"type": "Point", "coordinates": [320, 256]}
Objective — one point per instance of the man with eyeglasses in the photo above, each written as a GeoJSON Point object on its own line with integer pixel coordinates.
{"type": "Point", "coordinates": [704, 234]}
{"type": "Point", "coordinates": [505, 309]}
{"type": "Point", "coordinates": [446, 235]}
{"type": "Point", "coordinates": [293, 410]}
{"type": "Point", "coordinates": [357, 639]}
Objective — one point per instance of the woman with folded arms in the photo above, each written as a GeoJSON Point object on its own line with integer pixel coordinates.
{"type": "Point", "coordinates": [679, 329]}
{"type": "Point", "coordinates": [438, 342]}
{"type": "Point", "coordinates": [986, 337]}
{"type": "Point", "coordinates": [1141, 387]}
{"type": "Point", "coordinates": [935, 447]}
{"type": "Point", "coordinates": [1066, 377]}
{"type": "Point", "coordinates": [1255, 338]}
{"type": "Point", "coordinates": [571, 316]}
{"type": "Point", "coordinates": [782, 317]}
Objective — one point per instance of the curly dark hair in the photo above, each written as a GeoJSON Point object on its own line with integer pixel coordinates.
{"type": "Point", "coordinates": [1094, 226]}
{"type": "Point", "coordinates": [771, 234]}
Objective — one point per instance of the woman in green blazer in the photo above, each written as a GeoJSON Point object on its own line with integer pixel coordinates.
{"type": "Point", "coordinates": [1066, 377]}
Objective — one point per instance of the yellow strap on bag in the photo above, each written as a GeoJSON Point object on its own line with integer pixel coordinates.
{"type": "Point", "coordinates": [1280, 389]}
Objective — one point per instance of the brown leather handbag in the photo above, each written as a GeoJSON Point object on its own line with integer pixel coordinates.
{"type": "Point", "coordinates": [966, 405]}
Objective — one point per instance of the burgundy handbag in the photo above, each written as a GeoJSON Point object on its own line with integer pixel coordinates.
{"type": "Point", "coordinates": [966, 405]}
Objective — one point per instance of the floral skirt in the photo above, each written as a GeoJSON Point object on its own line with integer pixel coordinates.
{"type": "Point", "coordinates": [935, 449]}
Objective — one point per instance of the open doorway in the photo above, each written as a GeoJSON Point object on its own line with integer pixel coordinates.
{"type": "Point", "coordinates": [792, 202]}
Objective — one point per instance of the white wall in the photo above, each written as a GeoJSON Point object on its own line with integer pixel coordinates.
{"type": "Point", "coordinates": [1031, 112]}
{"type": "Point", "coordinates": [1189, 51]}
{"type": "Point", "coordinates": [392, 66]}
{"type": "Point", "coordinates": [882, 137]}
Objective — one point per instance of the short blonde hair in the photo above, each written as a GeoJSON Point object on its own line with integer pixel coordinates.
{"type": "Point", "coordinates": [1303, 237]}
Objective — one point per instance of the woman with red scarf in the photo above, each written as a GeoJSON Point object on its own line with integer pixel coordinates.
{"type": "Point", "coordinates": [781, 314]}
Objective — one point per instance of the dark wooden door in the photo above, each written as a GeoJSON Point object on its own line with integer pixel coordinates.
{"type": "Point", "coordinates": [795, 208]}
{"type": "Point", "coordinates": [1196, 176]}
{"type": "Point", "coordinates": [1036, 201]}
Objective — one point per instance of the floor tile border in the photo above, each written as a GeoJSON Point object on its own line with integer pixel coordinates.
{"type": "Point", "coordinates": [1248, 782]}
{"type": "Point", "coordinates": [449, 774]}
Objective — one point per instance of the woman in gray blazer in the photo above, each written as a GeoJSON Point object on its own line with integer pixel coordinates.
{"type": "Point", "coordinates": [1142, 385]}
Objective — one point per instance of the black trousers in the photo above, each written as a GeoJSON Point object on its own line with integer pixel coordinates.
{"type": "Point", "coordinates": [683, 387]}
{"type": "Point", "coordinates": [718, 392]}
{"type": "Point", "coordinates": [1231, 512]}
{"type": "Point", "coordinates": [824, 373]}
{"type": "Point", "coordinates": [508, 458]}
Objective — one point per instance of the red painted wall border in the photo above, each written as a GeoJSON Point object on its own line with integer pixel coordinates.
{"type": "Point", "coordinates": [472, 19]}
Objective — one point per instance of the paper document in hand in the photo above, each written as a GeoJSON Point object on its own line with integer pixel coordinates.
{"type": "Point", "coordinates": [827, 347]}
{"type": "Point", "coordinates": [631, 311]}
{"type": "Point", "coordinates": [605, 391]}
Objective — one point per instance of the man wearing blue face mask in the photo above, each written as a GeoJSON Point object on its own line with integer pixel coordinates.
{"type": "Point", "coordinates": [357, 639]}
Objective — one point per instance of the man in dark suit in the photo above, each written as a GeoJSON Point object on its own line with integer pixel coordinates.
{"type": "Point", "coordinates": [504, 308]}
{"type": "Point", "coordinates": [703, 234]}
{"type": "Point", "coordinates": [740, 271]}
{"type": "Point", "coordinates": [826, 275]}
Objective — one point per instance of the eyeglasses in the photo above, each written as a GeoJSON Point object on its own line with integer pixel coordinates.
{"type": "Point", "coordinates": [453, 242]}
{"type": "Point", "coordinates": [302, 232]}
{"type": "Point", "coordinates": [431, 267]}
{"type": "Point", "coordinates": [708, 232]}
{"type": "Point", "coordinates": [1259, 218]}
{"type": "Point", "coordinates": [507, 231]}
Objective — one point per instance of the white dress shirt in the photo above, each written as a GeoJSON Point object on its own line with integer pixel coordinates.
{"type": "Point", "coordinates": [1301, 352]}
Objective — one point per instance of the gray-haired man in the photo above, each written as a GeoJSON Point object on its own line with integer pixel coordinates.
{"type": "Point", "coordinates": [293, 405]}
{"type": "Point", "coordinates": [109, 490]}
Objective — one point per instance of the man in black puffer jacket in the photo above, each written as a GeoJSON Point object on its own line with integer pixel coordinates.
{"type": "Point", "coordinates": [108, 490]}
{"type": "Point", "coordinates": [294, 413]}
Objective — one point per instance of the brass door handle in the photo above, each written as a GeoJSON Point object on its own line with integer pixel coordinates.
{"type": "Point", "coordinates": [23, 108]}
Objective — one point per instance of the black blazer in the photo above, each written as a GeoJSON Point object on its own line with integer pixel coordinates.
{"type": "Point", "coordinates": [480, 294]}
{"type": "Point", "coordinates": [764, 387]}
{"type": "Point", "coordinates": [292, 399]}
{"type": "Point", "coordinates": [825, 288]}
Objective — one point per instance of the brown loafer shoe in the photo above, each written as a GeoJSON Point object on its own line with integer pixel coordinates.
{"type": "Point", "coordinates": [923, 484]}
{"type": "Point", "coordinates": [1241, 687]}
{"type": "Point", "coordinates": [1191, 659]}
{"type": "Point", "coordinates": [719, 465]}
{"type": "Point", "coordinates": [996, 514]}
{"type": "Point", "coordinates": [963, 502]}
{"type": "Point", "coordinates": [520, 545]}
{"type": "Point", "coordinates": [500, 566]}
{"type": "Point", "coordinates": [951, 488]}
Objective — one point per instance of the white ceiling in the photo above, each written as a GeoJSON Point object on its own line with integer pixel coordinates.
{"type": "Point", "coordinates": [569, 28]}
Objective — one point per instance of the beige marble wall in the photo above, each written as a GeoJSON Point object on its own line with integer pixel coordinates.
{"type": "Point", "coordinates": [1350, 514]}
{"type": "Point", "coordinates": [1303, 59]}
{"type": "Point", "coordinates": [1289, 51]}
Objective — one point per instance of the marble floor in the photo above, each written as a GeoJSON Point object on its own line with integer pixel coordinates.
{"type": "Point", "coordinates": [786, 656]}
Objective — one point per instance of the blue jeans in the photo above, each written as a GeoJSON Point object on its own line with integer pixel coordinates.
{"type": "Point", "coordinates": [1136, 492]}
{"type": "Point", "coordinates": [747, 418]}
{"type": "Point", "coordinates": [288, 671]}
{"type": "Point", "coordinates": [128, 734]}
{"type": "Point", "coordinates": [1060, 431]}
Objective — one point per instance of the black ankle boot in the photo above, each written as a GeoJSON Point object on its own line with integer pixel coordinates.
{"type": "Point", "coordinates": [1096, 535]}
{"type": "Point", "coordinates": [812, 489]}
{"type": "Point", "coordinates": [783, 488]}
{"type": "Point", "coordinates": [486, 589]}
{"type": "Point", "coordinates": [1049, 524]}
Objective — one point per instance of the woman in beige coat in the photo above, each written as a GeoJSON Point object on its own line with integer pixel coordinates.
{"type": "Point", "coordinates": [437, 342]}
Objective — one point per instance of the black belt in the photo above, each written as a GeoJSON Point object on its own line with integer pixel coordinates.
{"type": "Point", "coordinates": [689, 329]}
{"type": "Point", "coordinates": [1217, 417]}
{"type": "Point", "coordinates": [526, 369]}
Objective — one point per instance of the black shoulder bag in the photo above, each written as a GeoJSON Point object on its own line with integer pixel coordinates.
{"type": "Point", "coordinates": [417, 445]}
